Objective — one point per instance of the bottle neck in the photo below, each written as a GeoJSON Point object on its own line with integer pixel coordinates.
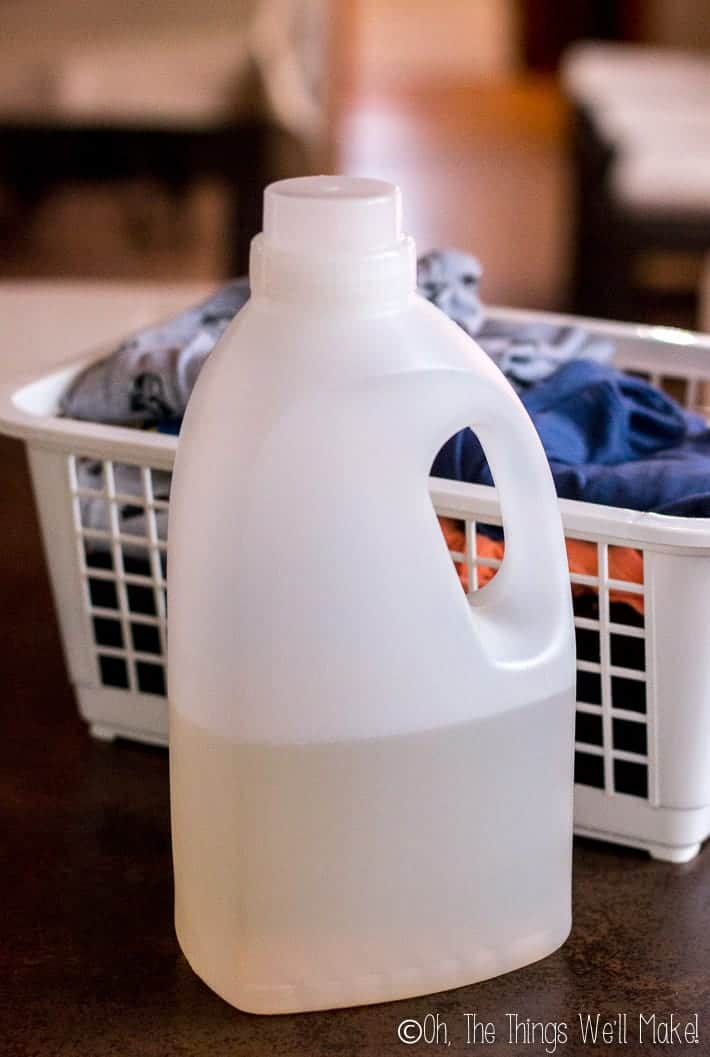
{"type": "Point", "coordinates": [377, 280]}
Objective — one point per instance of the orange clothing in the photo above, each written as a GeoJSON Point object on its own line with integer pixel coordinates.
{"type": "Point", "coordinates": [625, 563]}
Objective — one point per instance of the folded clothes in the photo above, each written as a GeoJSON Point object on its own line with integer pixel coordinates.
{"type": "Point", "coordinates": [625, 563]}
{"type": "Point", "coordinates": [610, 439]}
{"type": "Point", "coordinates": [148, 379]}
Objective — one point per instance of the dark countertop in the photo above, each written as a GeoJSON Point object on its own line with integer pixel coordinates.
{"type": "Point", "coordinates": [89, 964]}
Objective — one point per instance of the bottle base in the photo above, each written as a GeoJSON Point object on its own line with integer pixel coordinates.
{"type": "Point", "coordinates": [387, 986]}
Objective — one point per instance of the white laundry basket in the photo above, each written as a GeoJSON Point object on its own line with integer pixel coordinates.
{"type": "Point", "coordinates": [643, 710]}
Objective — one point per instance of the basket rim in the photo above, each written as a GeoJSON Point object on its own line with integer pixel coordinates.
{"type": "Point", "coordinates": [643, 346]}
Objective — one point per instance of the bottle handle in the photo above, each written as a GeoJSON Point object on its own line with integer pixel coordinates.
{"type": "Point", "coordinates": [525, 611]}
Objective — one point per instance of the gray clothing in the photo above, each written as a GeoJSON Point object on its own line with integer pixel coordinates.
{"type": "Point", "coordinates": [530, 352]}
{"type": "Point", "coordinates": [150, 376]}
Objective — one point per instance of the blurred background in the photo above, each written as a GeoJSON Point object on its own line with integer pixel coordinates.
{"type": "Point", "coordinates": [566, 145]}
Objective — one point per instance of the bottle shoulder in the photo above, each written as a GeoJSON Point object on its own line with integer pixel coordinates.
{"type": "Point", "coordinates": [418, 337]}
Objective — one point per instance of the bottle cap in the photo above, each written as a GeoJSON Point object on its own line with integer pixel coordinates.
{"type": "Point", "coordinates": [339, 235]}
{"type": "Point", "coordinates": [333, 213]}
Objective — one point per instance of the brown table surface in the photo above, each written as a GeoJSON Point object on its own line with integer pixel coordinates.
{"type": "Point", "coordinates": [89, 964]}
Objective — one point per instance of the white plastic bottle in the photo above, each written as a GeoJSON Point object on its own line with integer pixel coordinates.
{"type": "Point", "coordinates": [371, 779]}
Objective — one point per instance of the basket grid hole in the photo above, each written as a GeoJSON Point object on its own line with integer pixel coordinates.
{"type": "Point", "coordinates": [585, 603]}
{"type": "Point", "coordinates": [588, 644]}
{"type": "Point", "coordinates": [628, 694]}
{"type": "Point", "coordinates": [114, 671]}
{"type": "Point", "coordinates": [589, 769]}
{"type": "Point", "coordinates": [628, 652]}
{"type": "Point", "coordinates": [588, 728]}
{"type": "Point", "coordinates": [108, 632]}
{"type": "Point", "coordinates": [86, 475]}
{"type": "Point", "coordinates": [150, 678]}
{"type": "Point", "coordinates": [127, 480]}
{"type": "Point", "coordinates": [146, 638]}
{"type": "Point", "coordinates": [95, 513]}
{"type": "Point", "coordinates": [95, 557]}
{"type": "Point", "coordinates": [625, 564]}
{"type": "Point", "coordinates": [631, 778]}
{"type": "Point", "coordinates": [624, 615]}
{"type": "Point", "coordinates": [589, 687]}
{"type": "Point", "coordinates": [103, 593]}
{"type": "Point", "coordinates": [141, 599]}
{"type": "Point", "coordinates": [629, 736]}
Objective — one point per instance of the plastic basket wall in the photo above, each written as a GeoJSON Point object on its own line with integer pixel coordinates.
{"type": "Point", "coordinates": [642, 751]}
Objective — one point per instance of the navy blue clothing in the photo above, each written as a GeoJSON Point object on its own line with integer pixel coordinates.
{"type": "Point", "coordinates": [610, 439]}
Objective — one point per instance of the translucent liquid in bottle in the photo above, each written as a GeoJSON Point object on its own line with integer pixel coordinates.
{"type": "Point", "coordinates": [459, 819]}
